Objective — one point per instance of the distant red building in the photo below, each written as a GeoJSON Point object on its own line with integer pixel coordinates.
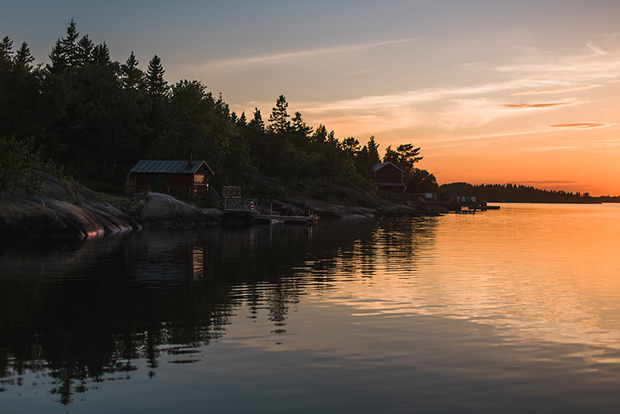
{"type": "Point", "coordinates": [177, 178]}
{"type": "Point", "coordinates": [390, 177]}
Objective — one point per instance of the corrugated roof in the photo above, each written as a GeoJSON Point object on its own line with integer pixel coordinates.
{"type": "Point", "coordinates": [167, 167]}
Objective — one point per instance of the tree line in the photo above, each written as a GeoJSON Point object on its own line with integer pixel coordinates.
{"type": "Point", "coordinates": [519, 193]}
{"type": "Point", "coordinates": [96, 117]}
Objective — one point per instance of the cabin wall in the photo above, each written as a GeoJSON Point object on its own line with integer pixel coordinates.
{"type": "Point", "coordinates": [172, 180]}
{"type": "Point", "coordinates": [393, 189]}
{"type": "Point", "coordinates": [389, 174]}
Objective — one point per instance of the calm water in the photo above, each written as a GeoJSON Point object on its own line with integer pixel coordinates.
{"type": "Point", "coordinates": [516, 310]}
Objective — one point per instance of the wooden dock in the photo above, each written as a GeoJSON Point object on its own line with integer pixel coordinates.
{"type": "Point", "coordinates": [272, 218]}
{"type": "Point", "coordinates": [472, 207]}
{"type": "Point", "coordinates": [251, 216]}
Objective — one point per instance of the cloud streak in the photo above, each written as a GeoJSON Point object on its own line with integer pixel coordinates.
{"type": "Point", "coordinates": [558, 90]}
{"type": "Point", "coordinates": [537, 106]}
{"type": "Point", "coordinates": [246, 62]}
{"type": "Point", "coordinates": [463, 109]}
{"type": "Point", "coordinates": [582, 125]}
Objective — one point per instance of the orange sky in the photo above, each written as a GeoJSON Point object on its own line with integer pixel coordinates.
{"type": "Point", "coordinates": [493, 91]}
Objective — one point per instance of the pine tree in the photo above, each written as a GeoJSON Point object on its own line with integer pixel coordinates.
{"type": "Point", "coordinates": [257, 124]}
{"type": "Point", "coordinates": [6, 53]}
{"type": "Point", "coordinates": [279, 117]}
{"type": "Point", "coordinates": [373, 151]}
{"type": "Point", "coordinates": [23, 59]}
{"type": "Point", "coordinates": [101, 54]}
{"type": "Point", "coordinates": [351, 146]}
{"type": "Point", "coordinates": [301, 131]}
{"type": "Point", "coordinates": [66, 51]}
{"type": "Point", "coordinates": [156, 84]}
{"type": "Point", "coordinates": [131, 76]}
{"type": "Point", "coordinates": [69, 45]}
{"type": "Point", "coordinates": [84, 51]}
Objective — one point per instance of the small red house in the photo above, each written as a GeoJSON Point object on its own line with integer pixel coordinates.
{"type": "Point", "coordinates": [177, 178]}
{"type": "Point", "coordinates": [390, 177]}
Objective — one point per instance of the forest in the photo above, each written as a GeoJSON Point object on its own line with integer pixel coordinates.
{"type": "Point", "coordinates": [93, 118]}
{"type": "Point", "coordinates": [520, 194]}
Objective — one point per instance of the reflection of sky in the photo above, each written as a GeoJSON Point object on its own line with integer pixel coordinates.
{"type": "Point", "coordinates": [494, 310]}
{"type": "Point", "coordinates": [533, 272]}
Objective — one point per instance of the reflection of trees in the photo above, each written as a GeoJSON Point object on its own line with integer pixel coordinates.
{"type": "Point", "coordinates": [83, 314]}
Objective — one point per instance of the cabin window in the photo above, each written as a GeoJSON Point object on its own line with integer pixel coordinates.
{"type": "Point", "coordinates": [199, 179]}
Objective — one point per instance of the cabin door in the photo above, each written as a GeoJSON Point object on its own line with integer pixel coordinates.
{"type": "Point", "coordinates": [158, 183]}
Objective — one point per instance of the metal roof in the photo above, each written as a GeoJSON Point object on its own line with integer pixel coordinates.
{"type": "Point", "coordinates": [168, 167]}
{"type": "Point", "coordinates": [384, 164]}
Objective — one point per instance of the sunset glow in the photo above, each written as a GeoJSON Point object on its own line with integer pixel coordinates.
{"type": "Point", "coordinates": [492, 91]}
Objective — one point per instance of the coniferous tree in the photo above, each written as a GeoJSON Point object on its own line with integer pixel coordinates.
{"type": "Point", "coordinates": [301, 131]}
{"type": "Point", "coordinates": [6, 53]}
{"type": "Point", "coordinates": [66, 52]}
{"type": "Point", "coordinates": [131, 75]}
{"type": "Point", "coordinates": [351, 146]}
{"type": "Point", "coordinates": [320, 134]}
{"type": "Point", "coordinates": [367, 158]}
{"type": "Point", "coordinates": [257, 124]}
{"type": "Point", "coordinates": [279, 117]}
{"type": "Point", "coordinates": [69, 44]}
{"type": "Point", "coordinates": [84, 51]}
{"type": "Point", "coordinates": [156, 84]}
{"type": "Point", "coordinates": [101, 54]}
{"type": "Point", "coordinates": [57, 59]}
{"type": "Point", "coordinates": [373, 150]}
{"type": "Point", "coordinates": [242, 121]}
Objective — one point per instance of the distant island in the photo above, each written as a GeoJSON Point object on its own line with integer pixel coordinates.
{"type": "Point", "coordinates": [511, 193]}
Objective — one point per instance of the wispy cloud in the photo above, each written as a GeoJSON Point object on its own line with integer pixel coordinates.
{"type": "Point", "coordinates": [592, 64]}
{"type": "Point", "coordinates": [582, 125]}
{"type": "Point", "coordinates": [250, 61]}
{"type": "Point", "coordinates": [608, 143]}
{"type": "Point", "coordinates": [558, 90]}
{"type": "Point", "coordinates": [549, 148]}
{"type": "Point", "coordinates": [464, 108]}
{"type": "Point", "coordinates": [537, 106]}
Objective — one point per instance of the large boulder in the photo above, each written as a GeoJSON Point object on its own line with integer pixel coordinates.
{"type": "Point", "coordinates": [60, 209]}
{"type": "Point", "coordinates": [164, 210]}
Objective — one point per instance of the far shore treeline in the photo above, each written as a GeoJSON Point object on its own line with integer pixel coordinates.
{"type": "Point", "coordinates": [96, 118]}
{"type": "Point", "coordinates": [515, 193]}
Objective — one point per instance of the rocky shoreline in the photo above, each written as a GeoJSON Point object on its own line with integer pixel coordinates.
{"type": "Point", "coordinates": [67, 210]}
{"type": "Point", "coordinates": [60, 210]}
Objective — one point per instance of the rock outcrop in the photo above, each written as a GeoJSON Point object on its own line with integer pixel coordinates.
{"type": "Point", "coordinates": [155, 209]}
{"type": "Point", "coordinates": [60, 210]}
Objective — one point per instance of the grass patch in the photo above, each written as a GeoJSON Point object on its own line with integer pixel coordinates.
{"type": "Point", "coordinates": [117, 200]}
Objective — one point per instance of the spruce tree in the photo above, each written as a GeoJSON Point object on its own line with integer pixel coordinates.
{"type": "Point", "coordinates": [84, 51]}
{"type": "Point", "coordinates": [156, 84]}
{"type": "Point", "coordinates": [131, 75]}
{"type": "Point", "coordinates": [279, 117]}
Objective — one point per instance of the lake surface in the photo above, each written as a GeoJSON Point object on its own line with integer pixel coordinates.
{"type": "Point", "coordinates": [516, 310]}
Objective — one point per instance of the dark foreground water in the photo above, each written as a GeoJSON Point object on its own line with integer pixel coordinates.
{"type": "Point", "coordinates": [516, 310]}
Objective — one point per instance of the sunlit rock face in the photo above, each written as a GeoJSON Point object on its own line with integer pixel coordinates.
{"type": "Point", "coordinates": [155, 209]}
{"type": "Point", "coordinates": [60, 210]}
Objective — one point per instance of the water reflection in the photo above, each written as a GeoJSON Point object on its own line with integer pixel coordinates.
{"type": "Point", "coordinates": [83, 313]}
{"type": "Point", "coordinates": [508, 300]}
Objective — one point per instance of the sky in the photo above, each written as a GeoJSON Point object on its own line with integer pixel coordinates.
{"type": "Point", "coordinates": [492, 91]}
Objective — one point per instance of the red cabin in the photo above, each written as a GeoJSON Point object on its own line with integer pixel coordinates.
{"type": "Point", "coordinates": [177, 178]}
{"type": "Point", "coordinates": [390, 177]}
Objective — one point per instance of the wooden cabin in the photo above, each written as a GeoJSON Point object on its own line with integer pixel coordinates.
{"type": "Point", "coordinates": [390, 177]}
{"type": "Point", "coordinates": [178, 178]}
